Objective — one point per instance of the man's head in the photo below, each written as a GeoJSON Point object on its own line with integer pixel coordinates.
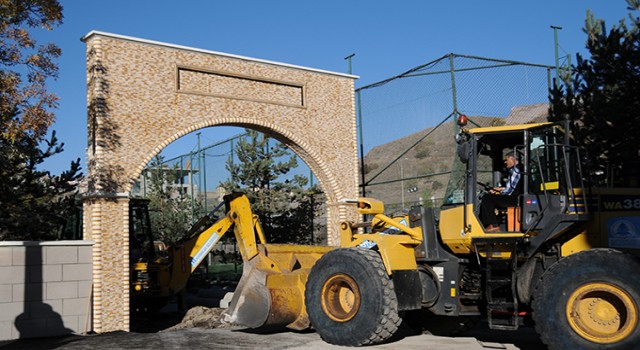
{"type": "Point", "coordinates": [510, 160]}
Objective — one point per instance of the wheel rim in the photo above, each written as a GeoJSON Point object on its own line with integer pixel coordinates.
{"type": "Point", "coordinates": [602, 313]}
{"type": "Point", "coordinates": [340, 298]}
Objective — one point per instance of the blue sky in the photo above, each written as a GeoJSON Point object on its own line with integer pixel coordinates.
{"type": "Point", "coordinates": [388, 37]}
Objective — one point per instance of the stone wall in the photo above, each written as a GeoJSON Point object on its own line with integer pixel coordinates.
{"type": "Point", "coordinates": [142, 95]}
{"type": "Point", "coordinates": [45, 289]}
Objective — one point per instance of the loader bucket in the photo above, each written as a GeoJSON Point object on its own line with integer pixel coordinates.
{"type": "Point", "coordinates": [271, 290]}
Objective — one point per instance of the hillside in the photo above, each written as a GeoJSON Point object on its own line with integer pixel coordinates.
{"type": "Point", "coordinates": [432, 155]}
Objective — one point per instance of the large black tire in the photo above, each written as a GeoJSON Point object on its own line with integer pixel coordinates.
{"type": "Point", "coordinates": [589, 300]}
{"type": "Point", "coordinates": [350, 298]}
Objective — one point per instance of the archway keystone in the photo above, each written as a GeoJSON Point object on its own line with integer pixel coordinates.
{"type": "Point", "coordinates": [143, 95]}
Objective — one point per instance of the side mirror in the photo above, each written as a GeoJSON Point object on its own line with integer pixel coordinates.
{"type": "Point", "coordinates": [464, 147]}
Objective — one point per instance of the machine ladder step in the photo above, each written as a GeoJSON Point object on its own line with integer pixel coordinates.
{"type": "Point", "coordinates": [502, 302]}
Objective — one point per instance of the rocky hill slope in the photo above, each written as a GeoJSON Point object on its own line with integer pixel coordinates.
{"type": "Point", "coordinates": [421, 174]}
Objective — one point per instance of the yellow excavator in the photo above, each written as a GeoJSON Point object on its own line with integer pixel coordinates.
{"type": "Point", "coordinates": [565, 258]}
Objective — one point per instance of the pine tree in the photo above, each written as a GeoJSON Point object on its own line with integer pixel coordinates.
{"type": "Point", "coordinates": [33, 202]}
{"type": "Point", "coordinates": [602, 99]}
{"type": "Point", "coordinates": [171, 212]}
{"type": "Point", "coordinates": [286, 208]}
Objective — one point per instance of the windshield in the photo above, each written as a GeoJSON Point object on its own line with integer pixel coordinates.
{"type": "Point", "coordinates": [455, 187]}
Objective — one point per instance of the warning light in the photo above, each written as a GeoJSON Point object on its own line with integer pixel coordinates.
{"type": "Point", "coordinates": [462, 120]}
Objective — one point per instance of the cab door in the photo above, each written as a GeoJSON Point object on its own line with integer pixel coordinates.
{"type": "Point", "coordinates": [554, 185]}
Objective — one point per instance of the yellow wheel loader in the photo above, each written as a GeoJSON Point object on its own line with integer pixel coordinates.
{"type": "Point", "coordinates": [565, 258]}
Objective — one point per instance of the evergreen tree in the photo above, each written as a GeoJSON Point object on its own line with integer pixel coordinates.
{"type": "Point", "coordinates": [602, 99]}
{"type": "Point", "coordinates": [286, 208]}
{"type": "Point", "coordinates": [171, 212]}
{"type": "Point", "coordinates": [34, 203]}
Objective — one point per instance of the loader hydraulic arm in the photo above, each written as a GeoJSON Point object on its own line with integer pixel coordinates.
{"type": "Point", "coordinates": [188, 253]}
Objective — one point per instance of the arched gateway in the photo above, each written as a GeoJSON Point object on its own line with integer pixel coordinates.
{"type": "Point", "coordinates": [142, 95]}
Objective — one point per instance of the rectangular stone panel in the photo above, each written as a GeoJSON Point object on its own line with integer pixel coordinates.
{"type": "Point", "coordinates": [84, 288]}
{"type": "Point", "coordinates": [28, 292]}
{"type": "Point", "coordinates": [198, 81]}
{"type": "Point", "coordinates": [61, 255]}
{"type": "Point", "coordinates": [6, 293]}
{"type": "Point", "coordinates": [85, 255]}
{"type": "Point", "coordinates": [11, 310]}
{"type": "Point", "coordinates": [45, 273]}
{"type": "Point", "coordinates": [76, 272]}
{"type": "Point", "coordinates": [61, 290]}
{"type": "Point", "coordinates": [12, 274]}
{"type": "Point", "coordinates": [5, 256]}
{"type": "Point", "coordinates": [76, 306]}
{"type": "Point", "coordinates": [6, 328]}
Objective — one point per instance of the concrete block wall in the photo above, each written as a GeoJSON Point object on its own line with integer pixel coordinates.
{"type": "Point", "coordinates": [45, 288]}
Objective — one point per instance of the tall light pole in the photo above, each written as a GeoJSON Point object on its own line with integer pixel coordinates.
{"type": "Point", "coordinates": [555, 41]}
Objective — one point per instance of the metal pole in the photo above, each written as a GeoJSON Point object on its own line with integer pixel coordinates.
{"type": "Point", "coordinates": [191, 186]}
{"type": "Point", "coordinates": [231, 143]}
{"type": "Point", "coordinates": [144, 188]}
{"type": "Point", "coordinates": [181, 173]}
{"type": "Point", "coordinates": [569, 75]}
{"type": "Point", "coordinates": [549, 87]}
{"type": "Point", "coordinates": [454, 92]}
{"type": "Point", "coordinates": [204, 178]}
{"type": "Point", "coordinates": [199, 166]}
{"type": "Point", "coordinates": [555, 41]}
{"type": "Point", "coordinates": [402, 180]}
{"type": "Point", "coordinates": [348, 58]}
{"type": "Point", "coordinates": [362, 172]}
{"type": "Point", "coordinates": [453, 84]}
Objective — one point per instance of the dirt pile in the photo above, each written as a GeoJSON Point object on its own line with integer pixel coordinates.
{"type": "Point", "coordinates": [202, 317]}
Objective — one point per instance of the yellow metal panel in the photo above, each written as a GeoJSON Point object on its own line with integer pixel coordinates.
{"type": "Point", "coordinates": [581, 242]}
{"type": "Point", "coordinates": [452, 230]}
{"type": "Point", "coordinates": [289, 257]}
{"type": "Point", "coordinates": [415, 233]}
{"type": "Point", "coordinates": [459, 239]}
{"type": "Point", "coordinates": [370, 206]}
{"type": "Point", "coordinates": [206, 241]}
{"type": "Point", "coordinates": [397, 251]}
{"type": "Point", "coordinates": [506, 128]}
{"type": "Point", "coordinates": [240, 213]}
{"type": "Point", "coordinates": [549, 186]}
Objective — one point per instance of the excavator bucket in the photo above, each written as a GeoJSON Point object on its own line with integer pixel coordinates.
{"type": "Point", "coordinates": [271, 290]}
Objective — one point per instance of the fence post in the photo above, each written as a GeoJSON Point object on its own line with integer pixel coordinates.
{"type": "Point", "coordinates": [453, 90]}
{"type": "Point", "coordinates": [362, 172]}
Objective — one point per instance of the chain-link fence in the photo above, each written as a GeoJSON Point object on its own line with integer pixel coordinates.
{"type": "Point", "coordinates": [406, 126]}
{"type": "Point", "coordinates": [197, 175]}
{"type": "Point", "coordinates": [407, 122]}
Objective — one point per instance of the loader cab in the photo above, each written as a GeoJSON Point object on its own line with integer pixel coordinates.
{"type": "Point", "coordinates": [141, 242]}
{"type": "Point", "coordinates": [550, 185]}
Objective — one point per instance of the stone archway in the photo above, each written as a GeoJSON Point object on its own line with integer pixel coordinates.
{"type": "Point", "coordinates": [143, 95]}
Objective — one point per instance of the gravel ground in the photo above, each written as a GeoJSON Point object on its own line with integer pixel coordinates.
{"type": "Point", "coordinates": [200, 328]}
